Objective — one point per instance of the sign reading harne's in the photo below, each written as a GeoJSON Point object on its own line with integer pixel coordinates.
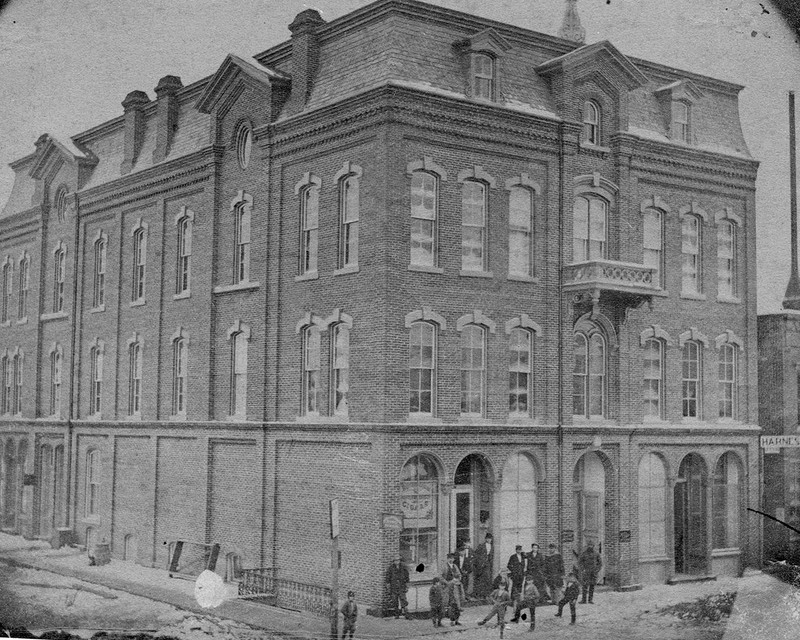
{"type": "Point", "coordinates": [780, 441]}
{"type": "Point", "coordinates": [418, 508]}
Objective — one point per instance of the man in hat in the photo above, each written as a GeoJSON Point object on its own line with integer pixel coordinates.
{"type": "Point", "coordinates": [466, 563]}
{"type": "Point", "coordinates": [554, 572]}
{"type": "Point", "coordinates": [535, 572]}
{"type": "Point", "coordinates": [350, 614]}
{"type": "Point", "coordinates": [397, 579]}
{"type": "Point", "coordinates": [590, 564]}
{"type": "Point", "coordinates": [455, 591]}
{"type": "Point", "coordinates": [482, 567]}
{"type": "Point", "coordinates": [517, 568]}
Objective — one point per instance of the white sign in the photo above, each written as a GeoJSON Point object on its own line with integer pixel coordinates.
{"type": "Point", "coordinates": [773, 442]}
{"type": "Point", "coordinates": [334, 518]}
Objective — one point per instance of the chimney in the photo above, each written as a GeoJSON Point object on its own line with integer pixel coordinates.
{"type": "Point", "coordinates": [305, 55]}
{"type": "Point", "coordinates": [133, 104]}
{"type": "Point", "coordinates": [571, 28]}
{"type": "Point", "coordinates": [166, 115]}
{"type": "Point", "coordinates": [792, 298]}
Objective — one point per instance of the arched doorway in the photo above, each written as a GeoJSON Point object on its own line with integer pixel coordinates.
{"type": "Point", "coordinates": [471, 500]}
{"type": "Point", "coordinates": [518, 504]}
{"type": "Point", "coordinates": [691, 522]}
{"type": "Point", "coordinates": [589, 480]}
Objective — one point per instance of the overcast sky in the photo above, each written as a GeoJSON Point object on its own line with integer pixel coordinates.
{"type": "Point", "coordinates": [66, 65]}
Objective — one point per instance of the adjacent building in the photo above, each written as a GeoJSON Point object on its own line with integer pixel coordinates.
{"type": "Point", "coordinates": [495, 281]}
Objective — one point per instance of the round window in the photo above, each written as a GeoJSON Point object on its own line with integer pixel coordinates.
{"type": "Point", "coordinates": [244, 145]}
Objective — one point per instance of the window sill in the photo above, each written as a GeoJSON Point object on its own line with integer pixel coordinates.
{"type": "Point", "coordinates": [475, 274]}
{"type": "Point", "coordinates": [585, 420]}
{"type": "Point", "coordinates": [239, 417]}
{"type": "Point", "coordinates": [137, 303]}
{"type": "Point", "coordinates": [178, 417]}
{"type": "Point", "coordinates": [521, 419]}
{"type": "Point", "coordinates": [691, 295]}
{"type": "Point", "coordinates": [92, 519]}
{"type": "Point", "coordinates": [726, 552]}
{"type": "Point", "coordinates": [94, 417]}
{"type": "Point", "coordinates": [729, 300]}
{"type": "Point", "coordinates": [422, 268]}
{"type": "Point", "coordinates": [99, 309]}
{"type": "Point", "coordinates": [476, 420]}
{"type": "Point", "coordinates": [521, 278]}
{"type": "Point", "coordinates": [239, 286]}
{"type": "Point", "coordinates": [320, 419]}
{"type": "Point", "coordinates": [183, 295]}
{"type": "Point", "coordinates": [310, 275]}
{"type": "Point", "coordinates": [654, 420]}
{"type": "Point", "coordinates": [56, 315]}
{"type": "Point", "coordinates": [22, 320]}
{"type": "Point", "coordinates": [423, 418]}
{"type": "Point", "coordinates": [350, 268]}
{"type": "Point", "coordinates": [137, 417]}
{"type": "Point", "coordinates": [596, 148]}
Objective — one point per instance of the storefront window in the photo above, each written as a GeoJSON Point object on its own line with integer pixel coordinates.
{"type": "Point", "coordinates": [419, 501]}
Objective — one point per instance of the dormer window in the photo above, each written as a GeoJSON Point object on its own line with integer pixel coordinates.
{"type": "Point", "coordinates": [677, 100]}
{"type": "Point", "coordinates": [591, 123]}
{"type": "Point", "coordinates": [680, 120]}
{"type": "Point", "coordinates": [482, 56]}
{"type": "Point", "coordinates": [482, 76]}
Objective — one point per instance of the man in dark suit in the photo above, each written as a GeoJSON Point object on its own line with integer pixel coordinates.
{"type": "Point", "coordinates": [466, 564]}
{"type": "Point", "coordinates": [536, 571]}
{"type": "Point", "coordinates": [397, 579]}
{"type": "Point", "coordinates": [483, 566]}
{"type": "Point", "coordinates": [517, 568]}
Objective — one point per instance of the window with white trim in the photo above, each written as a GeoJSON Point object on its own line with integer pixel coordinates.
{"type": "Point", "coordinates": [473, 371]}
{"type": "Point", "coordinates": [691, 381]}
{"type": "Point", "coordinates": [241, 242]}
{"type": "Point", "coordinates": [183, 253]}
{"type": "Point", "coordinates": [93, 480]}
{"type": "Point", "coordinates": [8, 379]}
{"type": "Point", "coordinates": [61, 204]}
{"type": "Point", "coordinates": [473, 226]}
{"type": "Point", "coordinates": [340, 369]}
{"type": "Point", "coordinates": [727, 381]}
{"type": "Point", "coordinates": [725, 501]}
{"type": "Point", "coordinates": [238, 382]}
{"type": "Point", "coordinates": [244, 144]}
{"type": "Point", "coordinates": [139, 264]}
{"type": "Point", "coordinates": [95, 379]}
{"type": "Point", "coordinates": [24, 287]}
{"type": "Point", "coordinates": [349, 206]}
{"type": "Point", "coordinates": [135, 379]}
{"type": "Point", "coordinates": [309, 228]}
{"type": "Point", "coordinates": [589, 374]}
{"type": "Point", "coordinates": [590, 221]}
{"type": "Point", "coordinates": [180, 357]}
{"type": "Point", "coordinates": [16, 403]}
{"type": "Point", "coordinates": [652, 507]}
{"type": "Point", "coordinates": [8, 286]}
{"type": "Point", "coordinates": [56, 363]}
{"type": "Point", "coordinates": [99, 283]}
{"type": "Point", "coordinates": [59, 276]}
{"type": "Point", "coordinates": [519, 371]}
{"type": "Point", "coordinates": [726, 259]}
{"type": "Point", "coordinates": [691, 243]}
{"type": "Point", "coordinates": [520, 231]}
{"type": "Point", "coordinates": [680, 120]}
{"type": "Point", "coordinates": [424, 214]}
{"type": "Point", "coordinates": [591, 122]}
{"type": "Point", "coordinates": [419, 489]}
{"type": "Point", "coordinates": [653, 379]}
{"type": "Point", "coordinates": [483, 76]}
{"type": "Point", "coordinates": [311, 391]}
{"type": "Point", "coordinates": [422, 368]}
{"type": "Point", "coordinates": [652, 224]}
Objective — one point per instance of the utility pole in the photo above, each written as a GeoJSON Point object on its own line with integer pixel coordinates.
{"type": "Point", "coordinates": [334, 518]}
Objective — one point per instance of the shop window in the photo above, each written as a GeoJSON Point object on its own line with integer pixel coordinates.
{"type": "Point", "coordinates": [726, 502]}
{"type": "Point", "coordinates": [652, 507]}
{"type": "Point", "coordinates": [419, 501]}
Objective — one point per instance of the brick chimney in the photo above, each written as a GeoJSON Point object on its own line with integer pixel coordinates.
{"type": "Point", "coordinates": [133, 104]}
{"type": "Point", "coordinates": [305, 56]}
{"type": "Point", "coordinates": [166, 114]}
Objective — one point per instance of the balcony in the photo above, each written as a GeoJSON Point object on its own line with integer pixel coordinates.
{"type": "Point", "coordinates": [629, 283]}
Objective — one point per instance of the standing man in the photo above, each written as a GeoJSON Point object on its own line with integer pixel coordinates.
{"type": "Point", "coordinates": [590, 564]}
{"type": "Point", "coordinates": [455, 591]}
{"type": "Point", "coordinates": [350, 613]}
{"type": "Point", "coordinates": [500, 601]}
{"type": "Point", "coordinates": [536, 570]}
{"type": "Point", "coordinates": [466, 564]}
{"type": "Point", "coordinates": [517, 568]}
{"type": "Point", "coordinates": [397, 579]}
{"type": "Point", "coordinates": [554, 572]}
{"type": "Point", "coordinates": [482, 567]}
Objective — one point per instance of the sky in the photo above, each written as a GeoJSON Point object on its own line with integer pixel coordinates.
{"type": "Point", "coordinates": [66, 65]}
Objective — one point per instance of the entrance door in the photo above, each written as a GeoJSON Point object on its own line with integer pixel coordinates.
{"type": "Point", "coordinates": [470, 504]}
{"type": "Point", "coordinates": [691, 552]}
{"type": "Point", "coordinates": [461, 516]}
{"type": "Point", "coordinates": [590, 491]}
{"type": "Point", "coordinates": [46, 511]}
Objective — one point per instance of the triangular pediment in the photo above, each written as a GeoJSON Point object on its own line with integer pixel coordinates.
{"type": "Point", "coordinates": [225, 79]}
{"type": "Point", "coordinates": [592, 55]}
{"type": "Point", "coordinates": [486, 40]}
{"type": "Point", "coordinates": [51, 154]}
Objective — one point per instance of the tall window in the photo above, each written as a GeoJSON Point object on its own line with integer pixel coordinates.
{"type": "Point", "coordinates": [183, 254]}
{"type": "Point", "coordinates": [726, 259]}
{"type": "Point", "coordinates": [653, 245]}
{"type": "Point", "coordinates": [725, 502]}
{"type": "Point", "coordinates": [691, 380]}
{"type": "Point", "coordinates": [135, 379]}
{"type": "Point", "coordinates": [520, 232]}
{"type": "Point", "coordinates": [652, 391]}
{"type": "Point", "coordinates": [98, 290]}
{"type": "Point", "coordinates": [589, 228]}
{"type": "Point", "coordinates": [238, 405]}
{"type": "Point", "coordinates": [96, 379]}
{"type": "Point", "coordinates": [680, 120]}
{"type": "Point", "coordinates": [92, 482]}
{"type": "Point", "coordinates": [519, 372]}
{"type": "Point", "coordinates": [652, 507]}
{"type": "Point", "coordinates": [139, 264]}
{"type": "Point", "coordinates": [473, 371]}
{"type": "Point", "coordinates": [423, 219]}
{"type": "Point", "coordinates": [5, 303]}
{"type": "Point", "coordinates": [24, 287]}
{"type": "Point", "coordinates": [340, 369]}
{"type": "Point", "coordinates": [348, 218]}
{"type": "Point", "coordinates": [473, 226]}
{"type": "Point", "coordinates": [8, 381]}
{"type": "Point", "coordinates": [244, 144]}
{"type": "Point", "coordinates": [59, 274]}
{"type": "Point", "coordinates": [690, 249]}
{"type": "Point", "coordinates": [483, 78]}
{"type": "Point", "coordinates": [591, 123]}
{"type": "Point", "coordinates": [419, 500]}
{"type": "Point", "coordinates": [727, 381]}
{"type": "Point", "coordinates": [421, 368]}
{"type": "Point", "coordinates": [16, 403]}
{"type": "Point", "coordinates": [518, 503]}
{"type": "Point", "coordinates": [61, 204]}
{"type": "Point", "coordinates": [589, 375]}
{"type": "Point", "coordinates": [55, 382]}
{"type": "Point", "coordinates": [311, 370]}
{"type": "Point", "coordinates": [179, 363]}
{"type": "Point", "coordinates": [309, 228]}
{"type": "Point", "coordinates": [241, 238]}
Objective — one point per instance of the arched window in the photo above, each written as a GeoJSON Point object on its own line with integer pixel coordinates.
{"type": "Point", "coordinates": [691, 243]}
{"type": "Point", "coordinates": [180, 357]}
{"type": "Point", "coordinates": [61, 204]}
{"type": "Point", "coordinates": [483, 85]}
{"type": "Point", "coordinates": [311, 371]}
{"type": "Point", "coordinates": [8, 286]}
{"type": "Point", "coordinates": [652, 507]}
{"type": "Point", "coordinates": [591, 122]}
{"type": "Point", "coordinates": [99, 280]}
{"type": "Point", "coordinates": [519, 372]}
{"type": "Point", "coordinates": [727, 381]}
{"type": "Point", "coordinates": [424, 213]}
{"type": "Point", "coordinates": [244, 144]}
{"type": "Point", "coordinates": [135, 378]}
{"type": "Point", "coordinates": [92, 482]}
{"type": "Point", "coordinates": [183, 252]}
{"type": "Point", "coordinates": [653, 243]}
{"type": "Point", "coordinates": [419, 501]}
{"type": "Point", "coordinates": [8, 379]}
{"type": "Point", "coordinates": [349, 206]}
{"type": "Point", "coordinates": [589, 228]}
{"type": "Point", "coordinates": [309, 228]}
{"type": "Point", "coordinates": [24, 287]}
{"type": "Point", "coordinates": [340, 369]}
{"type": "Point", "coordinates": [653, 378]}
{"type": "Point", "coordinates": [726, 259]}
{"type": "Point", "coordinates": [16, 404]}
{"type": "Point", "coordinates": [692, 389]}
{"type": "Point", "coordinates": [55, 381]}
{"type": "Point", "coordinates": [139, 263]}
{"type": "Point", "coordinates": [726, 502]}
{"type": "Point", "coordinates": [473, 226]}
{"type": "Point", "coordinates": [473, 371]}
{"type": "Point", "coordinates": [238, 379]}
{"type": "Point", "coordinates": [95, 379]}
{"type": "Point", "coordinates": [59, 275]}
{"type": "Point", "coordinates": [589, 374]}
{"type": "Point", "coordinates": [518, 503]}
{"type": "Point", "coordinates": [422, 368]}
{"type": "Point", "coordinates": [520, 232]}
{"type": "Point", "coordinates": [241, 243]}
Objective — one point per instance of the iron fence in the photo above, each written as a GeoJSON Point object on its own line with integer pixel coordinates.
{"type": "Point", "coordinates": [263, 585]}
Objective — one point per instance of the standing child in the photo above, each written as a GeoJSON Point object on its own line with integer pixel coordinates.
{"type": "Point", "coordinates": [435, 597]}
{"type": "Point", "coordinates": [350, 613]}
{"type": "Point", "coordinates": [501, 598]}
{"type": "Point", "coordinates": [571, 594]}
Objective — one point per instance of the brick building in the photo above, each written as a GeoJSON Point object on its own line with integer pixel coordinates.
{"type": "Point", "coordinates": [496, 282]}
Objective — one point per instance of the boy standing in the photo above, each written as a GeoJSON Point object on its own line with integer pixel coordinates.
{"type": "Point", "coordinates": [501, 598]}
{"type": "Point", "coordinates": [350, 613]}
{"type": "Point", "coordinates": [571, 594]}
{"type": "Point", "coordinates": [435, 598]}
